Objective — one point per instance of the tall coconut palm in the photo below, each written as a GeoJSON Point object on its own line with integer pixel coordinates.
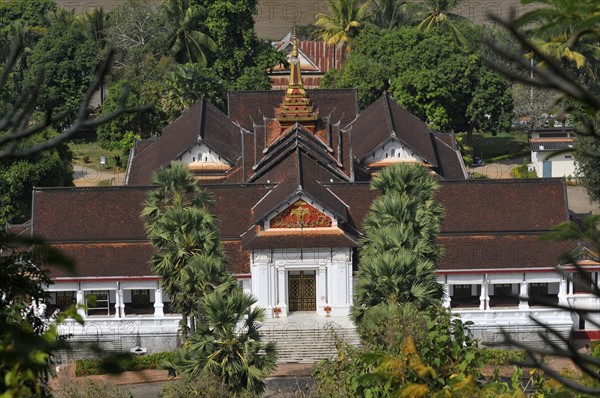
{"type": "Point", "coordinates": [399, 253]}
{"type": "Point", "coordinates": [94, 25]}
{"type": "Point", "coordinates": [188, 43]}
{"type": "Point", "coordinates": [343, 23]}
{"type": "Point", "coordinates": [228, 345]}
{"type": "Point", "coordinates": [436, 14]}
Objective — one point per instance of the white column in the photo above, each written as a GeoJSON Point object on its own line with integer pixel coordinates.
{"type": "Point", "coordinates": [80, 297]}
{"type": "Point", "coordinates": [158, 302]}
{"type": "Point", "coordinates": [571, 287]}
{"type": "Point", "coordinates": [281, 291]}
{"type": "Point", "coordinates": [119, 305]}
{"type": "Point", "coordinates": [562, 292]}
{"type": "Point", "coordinates": [323, 293]}
{"type": "Point", "coordinates": [524, 296]}
{"type": "Point", "coordinates": [484, 299]}
{"type": "Point", "coordinates": [447, 299]}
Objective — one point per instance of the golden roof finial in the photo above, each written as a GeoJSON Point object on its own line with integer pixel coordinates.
{"type": "Point", "coordinates": [296, 106]}
{"type": "Point", "coordinates": [294, 44]}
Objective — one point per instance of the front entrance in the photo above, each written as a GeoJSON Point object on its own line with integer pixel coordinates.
{"type": "Point", "coordinates": [302, 290]}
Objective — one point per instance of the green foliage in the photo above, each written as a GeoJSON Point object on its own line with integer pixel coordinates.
{"type": "Point", "coordinates": [231, 25]}
{"type": "Point", "coordinates": [188, 43]}
{"type": "Point", "coordinates": [389, 14]}
{"type": "Point", "coordinates": [455, 92]}
{"type": "Point", "coordinates": [399, 253]}
{"type": "Point", "coordinates": [499, 357]}
{"type": "Point", "coordinates": [50, 168]}
{"type": "Point", "coordinates": [522, 171]}
{"type": "Point", "coordinates": [227, 344]}
{"type": "Point", "coordinates": [89, 367]}
{"type": "Point", "coordinates": [205, 385]}
{"type": "Point", "coordinates": [187, 84]}
{"type": "Point", "coordinates": [143, 124]}
{"type": "Point", "coordinates": [343, 23]}
{"type": "Point", "coordinates": [366, 74]}
{"type": "Point", "coordinates": [188, 254]}
{"type": "Point", "coordinates": [404, 351]}
{"type": "Point", "coordinates": [253, 79]}
{"type": "Point", "coordinates": [26, 342]}
{"type": "Point", "coordinates": [61, 66]}
{"type": "Point", "coordinates": [588, 164]}
{"type": "Point", "coordinates": [138, 31]}
{"type": "Point", "coordinates": [73, 388]}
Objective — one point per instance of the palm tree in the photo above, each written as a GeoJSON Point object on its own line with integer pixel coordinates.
{"type": "Point", "coordinates": [188, 254]}
{"type": "Point", "coordinates": [188, 43]}
{"type": "Point", "coordinates": [228, 345]}
{"type": "Point", "coordinates": [399, 253]}
{"type": "Point", "coordinates": [436, 14]}
{"type": "Point", "coordinates": [93, 25]}
{"type": "Point", "coordinates": [343, 23]}
{"type": "Point", "coordinates": [565, 29]}
{"type": "Point", "coordinates": [388, 14]}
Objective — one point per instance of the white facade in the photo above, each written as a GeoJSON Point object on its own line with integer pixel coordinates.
{"type": "Point", "coordinates": [393, 151]}
{"type": "Point", "coordinates": [201, 155]}
{"type": "Point", "coordinates": [552, 164]}
{"type": "Point", "coordinates": [332, 268]}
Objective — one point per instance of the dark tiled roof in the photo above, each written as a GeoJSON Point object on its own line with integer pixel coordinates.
{"type": "Point", "coordinates": [202, 121]}
{"type": "Point", "coordinates": [232, 207]}
{"type": "Point", "coordinates": [89, 214]}
{"type": "Point", "coordinates": [238, 259]}
{"type": "Point", "coordinates": [476, 252]}
{"type": "Point", "coordinates": [475, 206]}
{"type": "Point", "coordinates": [221, 134]}
{"type": "Point", "coordinates": [287, 150]}
{"type": "Point", "coordinates": [248, 107]}
{"type": "Point", "coordinates": [174, 140]}
{"type": "Point", "coordinates": [384, 120]}
{"type": "Point", "coordinates": [307, 237]}
{"type": "Point", "coordinates": [106, 259]}
{"type": "Point", "coordinates": [542, 146]}
{"type": "Point", "coordinates": [358, 197]}
{"type": "Point", "coordinates": [450, 164]}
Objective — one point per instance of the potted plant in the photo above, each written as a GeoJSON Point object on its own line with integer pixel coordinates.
{"type": "Point", "coordinates": [276, 311]}
{"type": "Point", "coordinates": [327, 310]}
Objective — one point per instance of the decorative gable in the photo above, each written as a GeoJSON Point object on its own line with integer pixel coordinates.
{"type": "Point", "coordinates": [392, 152]}
{"type": "Point", "coordinates": [200, 155]}
{"type": "Point", "coordinates": [300, 215]}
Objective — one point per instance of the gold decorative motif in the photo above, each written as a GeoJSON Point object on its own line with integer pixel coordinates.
{"type": "Point", "coordinates": [300, 215]}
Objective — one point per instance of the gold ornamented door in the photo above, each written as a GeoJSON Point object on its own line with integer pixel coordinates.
{"type": "Point", "coordinates": [302, 290]}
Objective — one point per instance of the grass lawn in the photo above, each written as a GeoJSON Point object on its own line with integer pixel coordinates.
{"type": "Point", "coordinates": [88, 155]}
{"type": "Point", "coordinates": [509, 145]}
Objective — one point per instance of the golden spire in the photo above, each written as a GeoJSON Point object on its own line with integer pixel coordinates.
{"type": "Point", "coordinates": [296, 106]}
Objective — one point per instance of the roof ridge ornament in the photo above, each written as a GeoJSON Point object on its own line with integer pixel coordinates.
{"type": "Point", "coordinates": [296, 106]}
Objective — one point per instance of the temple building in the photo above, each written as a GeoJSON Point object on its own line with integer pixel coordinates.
{"type": "Point", "coordinates": [290, 172]}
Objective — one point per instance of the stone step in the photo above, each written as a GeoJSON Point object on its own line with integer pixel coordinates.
{"type": "Point", "coordinates": [307, 345]}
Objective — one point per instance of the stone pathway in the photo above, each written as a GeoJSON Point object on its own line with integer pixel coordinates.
{"type": "Point", "coordinates": [88, 177]}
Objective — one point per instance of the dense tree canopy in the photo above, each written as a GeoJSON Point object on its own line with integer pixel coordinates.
{"type": "Point", "coordinates": [65, 62]}
{"type": "Point", "coordinates": [45, 169]}
{"type": "Point", "coordinates": [454, 92]}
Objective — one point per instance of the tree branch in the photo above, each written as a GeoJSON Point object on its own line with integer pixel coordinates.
{"type": "Point", "coordinates": [18, 125]}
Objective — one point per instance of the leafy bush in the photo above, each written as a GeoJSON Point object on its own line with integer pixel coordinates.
{"type": "Point", "coordinates": [498, 357]}
{"type": "Point", "coordinates": [72, 388]}
{"type": "Point", "coordinates": [121, 363]}
{"type": "Point", "coordinates": [205, 385]}
{"type": "Point", "coordinates": [402, 347]}
{"type": "Point", "coordinates": [522, 171]}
